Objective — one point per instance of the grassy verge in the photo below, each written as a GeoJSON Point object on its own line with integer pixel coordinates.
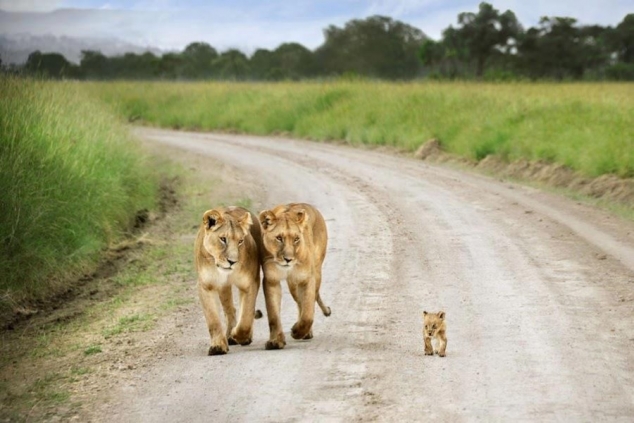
{"type": "Point", "coordinates": [63, 365]}
{"type": "Point", "coordinates": [71, 182]}
{"type": "Point", "coordinates": [588, 127]}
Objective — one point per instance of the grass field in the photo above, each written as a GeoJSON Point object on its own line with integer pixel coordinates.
{"type": "Point", "coordinates": [71, 181]}
{"type": "Point", "coordinates": [588, 127]}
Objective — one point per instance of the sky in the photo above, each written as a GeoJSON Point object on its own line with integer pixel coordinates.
{"type": "Point", "coordinates": [249, 24]}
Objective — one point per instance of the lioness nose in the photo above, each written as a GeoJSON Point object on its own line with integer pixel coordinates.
{"type": "Point", "coordinates": [287, 260]}
{"type": "Point", "coordinates": [231, 263]}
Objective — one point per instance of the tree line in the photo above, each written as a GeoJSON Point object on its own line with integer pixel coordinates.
{"type": "Point", "coordinates": [488, 44]}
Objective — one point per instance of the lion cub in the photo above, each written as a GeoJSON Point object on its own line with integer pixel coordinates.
{"type": "Point", "coordinates": [435, 326]}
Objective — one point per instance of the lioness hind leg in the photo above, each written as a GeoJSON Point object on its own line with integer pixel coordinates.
{"type": "Point", "coordinates": [226, 299]}
{"type": "Point", "coordinates": [209, 301]}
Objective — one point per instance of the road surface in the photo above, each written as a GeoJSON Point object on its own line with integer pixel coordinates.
{"type": "Point", "coordinates": [538, 291]}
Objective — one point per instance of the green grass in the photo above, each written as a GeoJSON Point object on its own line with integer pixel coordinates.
{"type": "Point", "coordinates": [588, 127]}
{"type": "Point", "coordinates": [71, 181]}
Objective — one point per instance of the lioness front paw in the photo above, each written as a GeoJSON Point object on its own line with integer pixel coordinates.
{"type": "Point", "coordinates": [309, 335]}
{"type": "Point", "coordinates": [240, 337]}
{"type": "Point", "coordinates": [275, 345]}
{"type": "Point", "coordinates": [217, 350]}
{"type": "Point", "coordinates": [231, 341]}
{"type": "Point", "coordinates": [301, 329]}
{"type": "Point", "coordinates": [429, 352]}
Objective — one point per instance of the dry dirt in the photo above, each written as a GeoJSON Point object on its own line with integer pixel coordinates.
{"type": "Point", "coordinates": [538, 292]}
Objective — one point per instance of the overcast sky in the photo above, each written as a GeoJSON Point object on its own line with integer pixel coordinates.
{"type": "Point", "coordinates": [248, 24]}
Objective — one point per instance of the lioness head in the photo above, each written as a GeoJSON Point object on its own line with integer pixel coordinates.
{"type": "Point", "coordinates": [225, 232]}
{"type": "Point", "coordinates": [283, 235]}
{"type": "Point", "coordinates": [433, 322]}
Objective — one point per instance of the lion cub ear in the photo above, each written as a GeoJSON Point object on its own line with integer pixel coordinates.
{"type": "Point", "coordinates": [267, 219]}
{"type": "Point", "coordinates": [301, 217]}
{"type": "Point", "coordinates": [212, 219]}
{"type": "Point", "coordinates": [441, 314]}
{"type": "Point", "coordinates": [425, 313]}
{"type": "Point", "coordinates": [245, 221]}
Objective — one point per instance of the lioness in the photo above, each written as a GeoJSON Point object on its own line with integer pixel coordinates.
{"type": "Point", "coordinates": [436, 327]}
{"type": "Point", "coordinates": [227, 252]}
{"type": "Point", "coordinates": [295, 240]}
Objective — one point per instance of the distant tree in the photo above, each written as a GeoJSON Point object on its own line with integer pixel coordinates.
{"type": "Point", "coordinates": [294, 61]}
{"type": "Point", "coordinates": [171, 66]}
{"type": "Point", "coordinates": [52, 65]}
{"type": "Point", "coordinates": [622, 39]}
{"type": "Point", "coordinates": [262, 63]}
{"type": "Point", "coordinates": [559, 48]}
{"type": "Point", "coordinates": [485, 34]}
{"type": "Point", "coordinates": [198, 58]}
{"type": "Point", "coordinates": [94, 65]}
{"type": "Point", "coordinates": [232, 64]}
{"type": "Point", "coordinates": [377, 46]}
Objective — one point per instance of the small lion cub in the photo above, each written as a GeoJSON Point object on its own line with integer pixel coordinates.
{"type": "Point", "coordinates": [435, 326]}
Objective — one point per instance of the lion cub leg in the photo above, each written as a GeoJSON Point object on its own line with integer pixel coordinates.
{"type": "Point", "coordinates": [273, 299]}
{"type": "Point", "coordinates": [441, 338]}
{"type": "Point", "coordinates": [429, 349]}
{"type": "Point", "coordinates": [306, 296]}
{"type": "Point", "coordinates": [209, 300]}
{"type": "Point", "coordinates": [226, 299]}
{"type": "Point", "coordinates": [243, 332]}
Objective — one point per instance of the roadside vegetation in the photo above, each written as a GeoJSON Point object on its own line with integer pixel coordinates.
{"type": "Point", "coordinates": [72, 181]}
{"type": "Point", "coordinates": [588, 127]}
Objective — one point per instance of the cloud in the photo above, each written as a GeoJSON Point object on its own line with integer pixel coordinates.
{"type": "Point", "coordinates": [30, 5]}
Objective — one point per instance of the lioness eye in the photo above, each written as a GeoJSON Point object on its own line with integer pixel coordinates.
{"type": "Point", "coordinates": [296, 239]}
{"type": "Point", "coordinates": [433, 327]}
{"type": "Point", "coordinates": [279, 238]}
{"type": "Point", "coordinates": [240, 242]}
{"type": "Point", "coordinates": [223, 239]}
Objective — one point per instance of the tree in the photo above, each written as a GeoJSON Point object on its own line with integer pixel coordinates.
{"type": "Point", "coordinates": [198, 58]}
{"type": "Point", "coordinates": [486, 34]}
{"type": "Point", "coordinates": [94, 65]}
{"type": "Point", "coordinates": [377, 46]}
{"type": "Point", "coordinates": [622, 40]}
{"type": "Point", "coordinates": [52, 65]}
{"type": "Point", "coordinates": [232, 64]}
{"type": "Point", "coordinates": [294, 61]}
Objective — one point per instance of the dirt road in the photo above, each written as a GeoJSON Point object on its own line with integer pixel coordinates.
{"type": "Point", "coordinates": [538, 291]}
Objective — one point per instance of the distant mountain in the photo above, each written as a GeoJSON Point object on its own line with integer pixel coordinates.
{"type": "Point", "coordinates": [15, 48]}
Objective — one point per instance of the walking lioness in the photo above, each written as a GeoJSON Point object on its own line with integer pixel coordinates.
{"type": "Point", "coordinates": [295, 240]}
{"type": "Point", "coordinates": [227, 253]}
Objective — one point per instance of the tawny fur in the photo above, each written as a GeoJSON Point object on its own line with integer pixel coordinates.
{"type": "Point", "coordinates": [228, 253]}
{"type": "Point", "coordinates": [295, 240]}
{"type": "Point", "coordinates": [434, 326]}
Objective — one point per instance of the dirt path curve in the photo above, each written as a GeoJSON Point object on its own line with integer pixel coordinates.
{"type": "Point", "coordinates": [538, 291]}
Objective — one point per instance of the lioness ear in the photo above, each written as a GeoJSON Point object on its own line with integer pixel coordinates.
{"type": "Point", "coordinates": [424, 313]}
{"type": "Point", "coordinates": [301, 217]}
{"type": "Point", "coordinates": [212, 219]}
{"type": "Point", "coordinates": [441, 314]}
{"type": "Point", "coordinates": [245, 221]}
{"type": "Point", "coordinates": [267, 219]}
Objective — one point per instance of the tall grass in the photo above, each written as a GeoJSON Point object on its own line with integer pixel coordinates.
{"type": "Point", "coordinates": [586, 126]}
{"type": "Point", "coordinates": [71, 180]}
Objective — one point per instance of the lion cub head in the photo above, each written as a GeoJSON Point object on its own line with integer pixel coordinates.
{"type": "Point", "coordinates": [225, 231]}
{"type": "Point", "coordinates": [284, 231]}
{"type": "Point", "coordinates": [433, 322]}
